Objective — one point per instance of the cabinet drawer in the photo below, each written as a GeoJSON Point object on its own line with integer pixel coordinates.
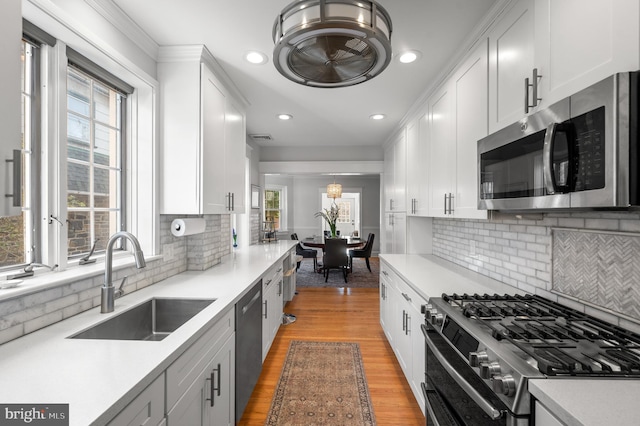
{"type": "Point", "coordinates": [146, 409]}
{"type": "Point", "coordinates": [410, 295]}
{"type": "Point", "coordinates": [272, 277]}
{"type": "Point", "coordinates": [187, 368]}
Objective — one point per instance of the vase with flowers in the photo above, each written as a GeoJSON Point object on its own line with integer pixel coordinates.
{"type": "Point", "coordinates": [235, 237]}
{"type": "Point", "coordinates": [331, 216]}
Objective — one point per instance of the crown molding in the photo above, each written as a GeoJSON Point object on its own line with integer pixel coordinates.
{"type": "Point", "coordinates": [120, 20]}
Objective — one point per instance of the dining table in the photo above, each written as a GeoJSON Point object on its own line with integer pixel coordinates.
{"type": "Point", "coordinates": [318, 242]}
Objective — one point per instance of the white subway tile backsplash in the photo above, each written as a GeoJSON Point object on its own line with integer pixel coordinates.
{"type": "Point", "coordinates": [519, 251]}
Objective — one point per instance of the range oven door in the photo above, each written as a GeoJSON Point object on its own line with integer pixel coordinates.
{"type": "Point", "coordinates": [454, 394]}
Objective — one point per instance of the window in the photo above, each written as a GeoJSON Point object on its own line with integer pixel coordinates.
{"type": "Point", "coordinates": [94, 162]}
{"type": "Point", "coordinates": [18, 228]}
{"type": "Point", "coordinates": [275, 207]}
{"type": "Point", "coordinates": [344, 212]}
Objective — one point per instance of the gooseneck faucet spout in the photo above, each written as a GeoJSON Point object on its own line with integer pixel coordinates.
{"type": "Point", "coordinates": [109, 292]}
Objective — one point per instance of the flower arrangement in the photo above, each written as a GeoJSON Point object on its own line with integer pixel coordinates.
{"type": "Point", "coordinates": [331, 216]}
{"type": "Point", "coordinates": [235, 238]}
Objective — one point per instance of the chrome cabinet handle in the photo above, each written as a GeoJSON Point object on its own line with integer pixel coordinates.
{"type": "Point", "coordinates": [406, 297]}
{"type": "Point", "coordinates": [445, 203]}
{"type": "Point", "coordinates": [451, 203]}
{"type": "Point", "coordinates": [213, 386]}
{"type": "Point", "coordinates": [534, 91]}
{"type": "Point", "coordinates": [407, 331]}
{"type": "Point", "coordinates": [485, 405]}
{"type": "Point", "coordinates": [404, 321]}
{"type": "Point", "coordinates": [265, 308]}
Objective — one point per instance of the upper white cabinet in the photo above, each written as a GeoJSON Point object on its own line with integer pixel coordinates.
{"type": "Point", "coordinates": [511, 61]}
{"type": "Point", "coordinates": [442, 148]}
{"type": "Point", "coordinates": [570, 44]}
{"type": "Point", "coordinates": [457, 119]}
{"type": "Point", "coordinates": [580, 42]}
{"type": "Point", "coordinates": [395, 174]}
{"type": "Point", "coordinates": [471, 112]}
{"type": "Point", "coordinates": [203, 136]}
{"type": "Point", "coordinates": [417, 166]}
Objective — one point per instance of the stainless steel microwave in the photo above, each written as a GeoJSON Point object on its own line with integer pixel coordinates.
{"type": "Point", "coordinates": [581, 152]}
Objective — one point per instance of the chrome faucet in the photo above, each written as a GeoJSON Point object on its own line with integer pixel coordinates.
{"type": "Point", "coordinates": [109, 292]}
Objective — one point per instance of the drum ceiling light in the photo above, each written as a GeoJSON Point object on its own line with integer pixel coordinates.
{"type": "Point", "coordinates": [334, 190]}
{"type": "Point", "coordinates": [332, 43]}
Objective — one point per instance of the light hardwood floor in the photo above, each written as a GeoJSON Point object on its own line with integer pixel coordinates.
{"type": "Point", "coordinates": [348, 315]}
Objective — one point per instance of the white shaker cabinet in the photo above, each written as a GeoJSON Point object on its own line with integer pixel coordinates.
{"type": "Point", "coordinates": [471, 111]}
{"type": "Point", "coordinates": [203, 136]}
{"type": "Point", "coordinates": [418, 166]}
{"type": "Point", "coordinates": [146, 409]}
{"type": "Point", "coordinates": [395, 174]}
{"type": "Point", "coordinates": [561, 47]}
{"type": "Point", "coordinates": [210, 398]}
{"type": "Point", "coordinates": [511, 61]}
{"type": "Point", "coordinates": [457, 119]}
{"type": "Point", "coordinates": [402, 313]}
{"type": "Point", "coordinates": [442, 151]}
{"type": "Point", "coordinates": [272, 303]}
{"type": "Point", "coordinates": [580, 42]}
{"type": "Point", "coordinates": [395, 230]}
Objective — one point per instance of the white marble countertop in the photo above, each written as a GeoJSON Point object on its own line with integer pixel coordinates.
{"type": "Point", "coordinates": [431, 276]}
{"type": "Point", "coordinates": [584, 402]}
{"type": "Point", "coordinates": [588, 402]}
{"type": "Point", "coordinates": [97, 378]}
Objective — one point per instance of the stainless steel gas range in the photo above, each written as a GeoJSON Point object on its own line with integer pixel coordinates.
{"type": "Point", "coordinates": [481, 351]}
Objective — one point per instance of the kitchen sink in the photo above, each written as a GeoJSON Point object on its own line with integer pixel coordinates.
{"type": "Point", "coordinates": [152, 320]}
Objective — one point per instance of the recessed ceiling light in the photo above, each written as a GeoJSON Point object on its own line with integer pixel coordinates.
{"type": "Point", "coordinates": [409, 56]}
{"type": "Point", "coordinates": [285, 116]}
{"type": "Point", "coordinates": [255, 57]}
{"type": "Point", "coordinates": [377, 116]}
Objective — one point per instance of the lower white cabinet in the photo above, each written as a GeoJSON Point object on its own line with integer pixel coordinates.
{"type": "Point", "coordinates": [272, 302]}
{"type": "Point", "coordinates": [401, 317]}
{"type": "Point", "coordinates": [146, 409]}
{"type": "Point", "coordinates": [210, 398]}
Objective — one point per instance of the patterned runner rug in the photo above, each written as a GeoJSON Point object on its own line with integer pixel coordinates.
{"type": "Point", "coordinates": [360, 277]}
{"type": "Point", "coordinates": [322, 383]}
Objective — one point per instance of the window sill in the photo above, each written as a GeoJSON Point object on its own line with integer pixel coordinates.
{"type": "Point", "coordinates": [44, 280]}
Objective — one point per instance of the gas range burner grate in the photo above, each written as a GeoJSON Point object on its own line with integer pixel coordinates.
{"type": "Point", "coordinates": [561, 340]}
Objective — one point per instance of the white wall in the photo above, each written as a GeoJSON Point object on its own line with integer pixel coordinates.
{"type": "Point", "coordinates": [304, 202]}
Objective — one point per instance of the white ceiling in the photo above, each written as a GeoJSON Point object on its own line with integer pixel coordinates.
{"type": "Point", "coordinates": [321, 117]}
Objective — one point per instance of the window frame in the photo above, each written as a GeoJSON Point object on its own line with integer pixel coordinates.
{"type": "Point", "coordinates": [121, 202]}
{"type": "Point", "coordinates": [282, 206]}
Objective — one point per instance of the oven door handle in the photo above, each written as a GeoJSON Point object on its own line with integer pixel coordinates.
{"type": "Point", "coordinates": [485, 405]}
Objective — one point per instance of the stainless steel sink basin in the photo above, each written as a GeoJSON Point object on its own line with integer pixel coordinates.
{"type": "Point", "coordinates": [152, 320]}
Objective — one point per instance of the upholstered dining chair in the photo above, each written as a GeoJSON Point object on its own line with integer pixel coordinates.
{"type": "Point", "coordinates": [335, 257]}
{"type": "Point", "coordinates": [306, 253]}
{"type": "Point", "coordinates": [364, 252]}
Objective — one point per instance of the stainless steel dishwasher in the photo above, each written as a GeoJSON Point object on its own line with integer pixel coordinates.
{"type": "Point", "coordinates": [248, 345]}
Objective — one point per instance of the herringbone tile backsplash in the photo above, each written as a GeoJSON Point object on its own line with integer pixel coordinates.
{"type": "Point", "coordinates": [598, 267]}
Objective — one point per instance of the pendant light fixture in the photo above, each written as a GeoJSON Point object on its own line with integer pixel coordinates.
{"type": "Point", "coordinates": [332, 43]}
{"type": "Point", "coordinates": [334, 190]}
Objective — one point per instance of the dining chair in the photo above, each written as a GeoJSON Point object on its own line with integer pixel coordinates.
{"type": "Point", "coordinates": [335, 257]}
{"type": "Point", "coordinates": [306, 253]}
{"type": "Point", "coordinates": [364, 252]}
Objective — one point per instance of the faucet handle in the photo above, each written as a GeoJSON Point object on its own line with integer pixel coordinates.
{"type": "Point", "coordinates": [119, 292]}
